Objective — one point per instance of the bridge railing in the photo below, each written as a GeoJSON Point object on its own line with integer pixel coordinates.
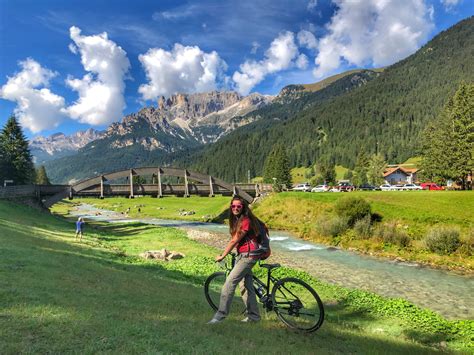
{"type": "Point", "coordinates": [169, 189]}
{"type": "Point", "coordinates": [11, 192]}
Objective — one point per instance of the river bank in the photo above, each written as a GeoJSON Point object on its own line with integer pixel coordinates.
{"type": "Point", "coordinates": [447, 293]}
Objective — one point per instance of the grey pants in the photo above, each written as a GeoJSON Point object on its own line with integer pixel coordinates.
{"type": "Point", "coordinates": [241, 273]}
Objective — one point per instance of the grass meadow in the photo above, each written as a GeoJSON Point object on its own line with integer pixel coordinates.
{"type": "Point", "coordinates": [58, 295]}
{"type": "Point", "coordinates": [414, 212]}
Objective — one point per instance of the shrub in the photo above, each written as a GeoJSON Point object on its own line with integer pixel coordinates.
{"type": "Point", "coordinates": [331, 225]}
{"type": "Point", "coordinates": [467, 245]}
{"type": "Point", "coordinates": [442, 240]}
{"type": "Point", "coordinates": [363, 227]}
{"type": "Point", "coordinates": [392, 234]}
{"type": "Point", "coordinates": [352, 209]}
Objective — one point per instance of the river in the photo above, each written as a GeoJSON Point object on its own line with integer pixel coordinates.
{"type": "Point", "coordinates": [445, 292]}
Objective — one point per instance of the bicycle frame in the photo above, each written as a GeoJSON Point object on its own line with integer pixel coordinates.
{"type": "Point", "coordinates": [262, 290]}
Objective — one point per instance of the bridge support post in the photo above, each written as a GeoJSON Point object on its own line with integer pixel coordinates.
{"type": "Point", "coordinates": [102, 187]}
{"type": "Point", "coordinates": [211, 187]}
{"type": "Point", "coordinates": [234, 191]}
{"type": "Point", "coordinates": [158, 177]}
{"type": "Point", "coordinates": [131, 184]}
{"type": "Point", "coordinates": [186, 187]}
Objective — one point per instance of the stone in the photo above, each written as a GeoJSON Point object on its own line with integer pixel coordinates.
{"type": "Point", "coordinates": [162, 254]}
{"type": "Point", "coordinates": [175, 256]}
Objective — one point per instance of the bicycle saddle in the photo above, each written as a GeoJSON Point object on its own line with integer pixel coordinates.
{"type": "Point", "coordinates": [270, 266]}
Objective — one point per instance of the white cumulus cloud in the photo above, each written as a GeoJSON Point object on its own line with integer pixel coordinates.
{"type": "Point", "coordinates": [101, 90]}
{"type": "Point", "coordinates": [307, 39]}
{"type": "Point", "coordinates": [312, 4]}
{"type": "Point", "coordinates": [182, 69]}
{"type": "Point", "coordinates": [372, 32]}
{"type": "Point", "coordinates": [281, 55]}
{"type": "Point", "coordinates": [450, 3]}
{"type": "Point", "coordinates": [37, 107]}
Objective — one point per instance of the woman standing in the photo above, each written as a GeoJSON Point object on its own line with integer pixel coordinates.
{"type": "Point", "coordinates": [243, 226]}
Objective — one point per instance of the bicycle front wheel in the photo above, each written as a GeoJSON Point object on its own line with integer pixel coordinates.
{"type": "Point", "coordinates": [213, 289]}
{"type": "Point", "coordinates": [297, 304]}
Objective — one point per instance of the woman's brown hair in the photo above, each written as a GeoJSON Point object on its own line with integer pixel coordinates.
{"type": "Point", "coordinates": [234, 221]}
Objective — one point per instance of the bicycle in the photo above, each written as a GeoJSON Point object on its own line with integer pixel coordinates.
{"type": "Point", "coordinates": [295, 303]}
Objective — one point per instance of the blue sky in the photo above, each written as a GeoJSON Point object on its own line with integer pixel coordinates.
{"type": "Point", "coordinates": [70, 65]}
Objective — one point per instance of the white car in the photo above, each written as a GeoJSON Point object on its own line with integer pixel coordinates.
{"type": "Point", "coordinates": [320, 188]}
{"type": "Point", "coordinates": [302, 187]}
{"type": "Point", "coordinates": [412, 187]}
{"type": "Point", "coordinates": [386, 187]}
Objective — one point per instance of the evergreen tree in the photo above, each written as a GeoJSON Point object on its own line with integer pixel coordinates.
{"type": "Point", "coordinates": [377, 166]}
{"type": "Point", "coordinates": [327, 171]}
{"type": "Point", "coordinates": [348, 175]}
{"type": "Point", "coordinates": [448, 143]}
{"type": "Point", "coordinates": [361, 168]}
{"type": "Point", "coordinates": [17, 160]}
{"type": "Point", "coordinates": [41, 176]}
{"type": "Point", "coordinates": [277, 167]}
{"type": "Point", "coordinates": [139, 180]}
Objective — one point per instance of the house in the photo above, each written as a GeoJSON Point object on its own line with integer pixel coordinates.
{"type": "Point", "coordinates": [397, 174]}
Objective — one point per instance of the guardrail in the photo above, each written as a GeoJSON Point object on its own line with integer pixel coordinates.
{"type": "Point", "coordinates": [11, 192]}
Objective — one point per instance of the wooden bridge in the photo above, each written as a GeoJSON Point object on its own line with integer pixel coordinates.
{"type": "Point", "coordinates": [100, 186]}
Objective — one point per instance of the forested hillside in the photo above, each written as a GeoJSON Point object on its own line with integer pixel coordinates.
{"type": "Point", "coordinates": [103, 155]}
{"type": "Point", "coordinates": [385, 115]}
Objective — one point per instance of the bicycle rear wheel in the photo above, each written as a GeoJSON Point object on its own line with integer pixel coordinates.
{"type": "Point", "coordinates": [213, 290]}
{"type": "Point", "coordinates": [297, 304]}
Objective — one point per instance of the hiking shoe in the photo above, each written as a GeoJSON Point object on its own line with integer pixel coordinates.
{"type": "Point", "coordinates": [214, 321]}
{"type": "Point", "coordinates": [249, 320]}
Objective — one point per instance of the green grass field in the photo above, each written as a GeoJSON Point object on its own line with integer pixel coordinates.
{"type": "Point", "coordinates": [58, 296]}
{"type": "Point", "coordinates": [168, 207]}
{"type": "Point", "coordinates": [414, 211]}
{"type": "Point", "coordinates": [298, 175]}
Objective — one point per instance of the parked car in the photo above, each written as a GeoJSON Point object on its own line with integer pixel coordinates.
{"type": "Point", "coordinates": [411, 187]}
{"type": "Point", "coordinates": [431, 186]}
{"type": "Point", "coordinates": [305, 187]}
{"type": "Point", "coordinates": [397, 187]}
{"type": "Point", "coordinates": [367, 187]}
{"type": "Point", "coordinates": [345, 187]}
{"type": "Point", "coordinates": [321, 188]}
{"type": "Point", "coordinates": [386, 187]}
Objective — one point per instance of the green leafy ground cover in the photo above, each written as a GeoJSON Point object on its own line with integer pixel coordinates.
{"type": "Point", "coordinates": [413, 211]}
{"type": "Point", "coordinates": [168, 207]}
{"type": "Point", "coordinates": [57, 296]}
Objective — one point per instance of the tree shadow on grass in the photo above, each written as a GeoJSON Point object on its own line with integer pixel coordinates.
{"type": "Point", "coordinates": [120, 273]}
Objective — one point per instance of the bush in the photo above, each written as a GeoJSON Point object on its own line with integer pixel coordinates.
{"type": "Point", "coordinates": [467, 245]}
{"type": "Point", "coordinates": [352, 209]}
{"type": "Point", "coordinates": [392, 234]}
{"type": "Point", "coordinates": [443, 240]}
{"type": "Point", "coordinates": [331, 225]}
{"type": "Point", "coordinates": [363, 227]}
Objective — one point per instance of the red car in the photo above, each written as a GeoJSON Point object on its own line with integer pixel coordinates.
{"type": "Point", "coordinates": [431, 186]}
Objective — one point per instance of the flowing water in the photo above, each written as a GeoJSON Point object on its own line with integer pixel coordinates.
{"type": "Point", "coordinates": [448, 293]}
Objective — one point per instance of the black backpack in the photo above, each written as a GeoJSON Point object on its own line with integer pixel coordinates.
{"type": "Point", "coordinates": [262, 250]}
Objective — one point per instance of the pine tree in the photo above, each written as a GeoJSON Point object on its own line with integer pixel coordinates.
{"type": "Point", "coordinates": [448, 143]}
{"type": "Point", "coordinates": [377, 166]}
{"type": "Point", "coordinates": [327, 172]}
{"type": "Point", "coordinates": [41, 176]}
{"type": "Point", "coordinates": [17, 160]}
{"type": "Point", "coordinates": [277, 167]}
{"type": "Point", "coordinates": [361, 168]}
